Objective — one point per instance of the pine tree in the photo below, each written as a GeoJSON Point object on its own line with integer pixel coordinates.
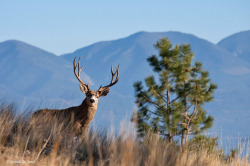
{"type": "Point", "coordinates": [172, 105]}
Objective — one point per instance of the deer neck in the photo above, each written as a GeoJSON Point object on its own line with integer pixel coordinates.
{"type": "Point", "coordinates": [88, 110]}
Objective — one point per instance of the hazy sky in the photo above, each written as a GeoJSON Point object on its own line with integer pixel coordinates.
{"type": "Point", "coordinates": [61, 26]}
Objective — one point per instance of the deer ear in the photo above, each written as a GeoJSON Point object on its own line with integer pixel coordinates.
{"type": "Point", "coordinates": [104, 92]}
{"type": "Point", "coordinates": [83, 88]}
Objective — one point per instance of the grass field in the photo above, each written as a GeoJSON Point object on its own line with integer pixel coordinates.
{"type": "Point", "coordinates": [50, 145]}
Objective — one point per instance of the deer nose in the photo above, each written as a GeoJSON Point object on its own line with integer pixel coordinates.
{"type": "Point", "coordinates": [92, 100]}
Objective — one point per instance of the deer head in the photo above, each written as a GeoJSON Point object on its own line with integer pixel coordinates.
{"type": "Point", "coordinates": [93, 96]}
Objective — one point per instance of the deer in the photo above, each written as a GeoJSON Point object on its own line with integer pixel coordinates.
{"type": "Point", "coordinates": [78, 117]}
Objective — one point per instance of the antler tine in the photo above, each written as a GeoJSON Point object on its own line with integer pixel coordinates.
{"type": "Point", "coordinates": [79, 69]}
{"type": "Point", "coordinates": [116, 73]}
{"type": "Point", "coordinates": [112, 73]}
{"type": "Point", "coordinates": [112, 69]}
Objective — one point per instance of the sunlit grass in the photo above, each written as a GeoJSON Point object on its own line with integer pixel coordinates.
{"type": "Point", "coordinates": [49, 145]}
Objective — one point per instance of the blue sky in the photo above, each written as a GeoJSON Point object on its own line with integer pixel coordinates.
{"type": "Point", "coordinates": [61, 26]}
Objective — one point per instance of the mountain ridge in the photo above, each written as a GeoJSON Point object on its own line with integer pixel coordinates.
{"type": "Point", "coordinates": [224, 68]}
{"type": "Point", "coordinates": [238, 44]}
{"type": "Point", "coordinates": [31, 72]}
{"type": "Point", "coordinates": [43, 75]}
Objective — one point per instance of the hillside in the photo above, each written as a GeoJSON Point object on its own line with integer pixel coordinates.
{"type": "Point", "coordinates": [30, 74]}
{"type": "Point", "coordinates": [226, 71]}
{"type": "Point", "coordinates": [238, 44]}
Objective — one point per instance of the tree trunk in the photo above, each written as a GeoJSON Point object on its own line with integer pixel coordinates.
{"type": "Point", "coordinates": [182, 137]}
{"type": "Point", "coordinates": [169, 118]}
{"type": "Point", "coordinates": [186, 136]}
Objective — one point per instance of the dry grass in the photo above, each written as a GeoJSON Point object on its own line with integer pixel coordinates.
{"type": "Point", "coordinates": [21, 145]}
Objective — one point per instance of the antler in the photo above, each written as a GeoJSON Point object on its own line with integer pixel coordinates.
{"type": "Point", "coordinates": [79, 71]}
{"type": "Point", "coordinates": [116, 73]}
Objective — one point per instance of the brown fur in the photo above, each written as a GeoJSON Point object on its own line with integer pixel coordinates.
{"type": "Point", "coordinates": [75, 119]}
{"type": "Point", "coordinates": [78, 118]}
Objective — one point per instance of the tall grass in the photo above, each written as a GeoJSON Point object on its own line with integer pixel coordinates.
{"type": "Point", "coordinates": [22, 144]}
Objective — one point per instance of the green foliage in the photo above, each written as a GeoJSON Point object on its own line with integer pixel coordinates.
{"type": "Point", "coordinates": [171, 104]}
{"type": "Point", "coordinates": [201, 143]}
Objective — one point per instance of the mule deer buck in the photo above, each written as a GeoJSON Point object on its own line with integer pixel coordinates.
{"type": "Point", "coordinates": [78, 117]}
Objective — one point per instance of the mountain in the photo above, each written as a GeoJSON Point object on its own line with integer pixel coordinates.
{"type": "Point", "coordinates": [226, 70]}
{"type": "Point", "coordinates": [31, 74]}
{"type": "Point", "coordinates": [238, 44]}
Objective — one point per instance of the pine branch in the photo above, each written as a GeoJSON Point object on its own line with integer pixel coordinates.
{"type": "Point", "coordinates": [152, 102]}
{"type": "Point", "coordinates": [160, 95]}
{"type": "Point", "coordinates": [175, 99]}
{"type": "Point", "coordinates": [153, 113]}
